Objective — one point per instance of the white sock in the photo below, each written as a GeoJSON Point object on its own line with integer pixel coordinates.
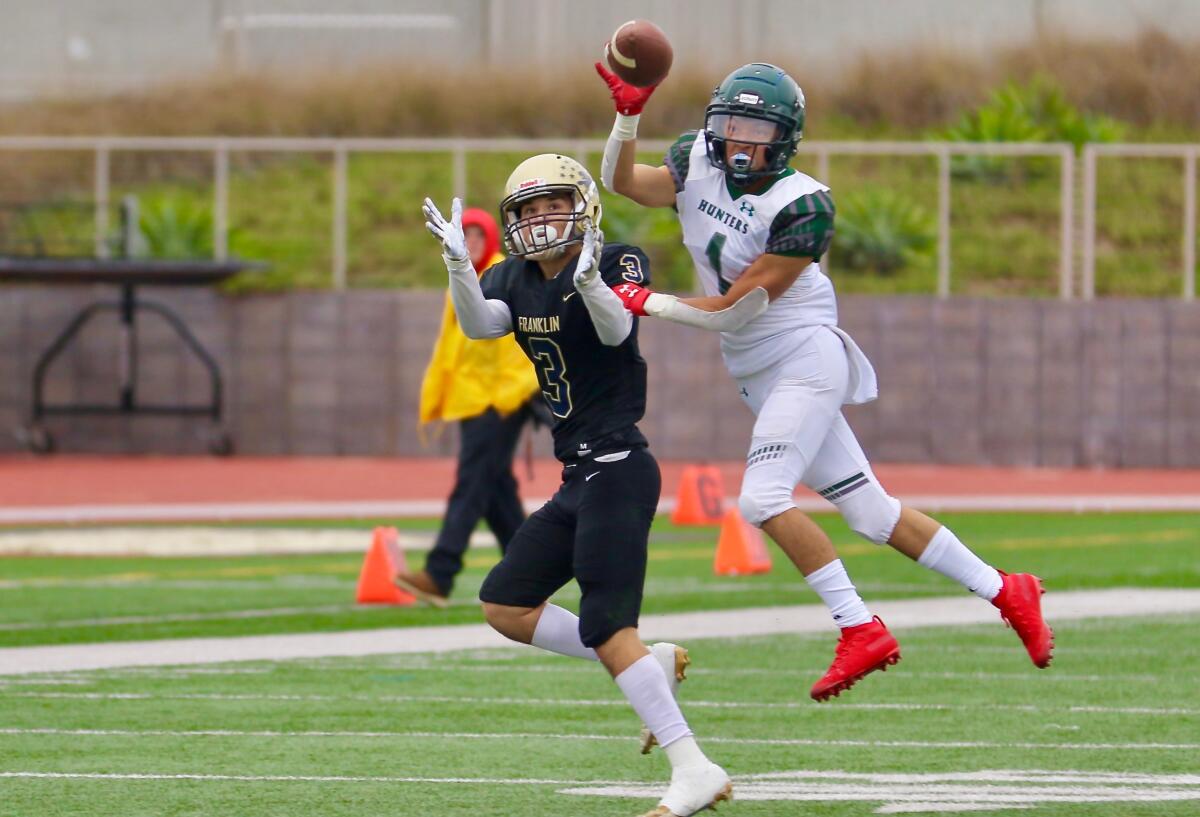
{"type": "Point", "coordinates": [557, 630]}
{"type": "Point", "coordinates": [685, 752]}
{"type": "Point", "coordinates": [646, 688]}
{"type": "Point", "coordinates": [954, 560]}
{"type": "Point", "coordinates": [833, 585]}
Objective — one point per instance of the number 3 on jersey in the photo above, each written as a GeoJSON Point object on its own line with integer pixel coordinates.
{"type": "Point", "coordinates": [555, 386]}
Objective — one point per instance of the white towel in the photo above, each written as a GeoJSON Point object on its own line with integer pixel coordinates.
{"type": "Point", "coordinates": [863, 386]}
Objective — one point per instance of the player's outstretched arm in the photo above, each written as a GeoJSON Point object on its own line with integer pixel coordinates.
{"type": "Point", "coordinates": [478, 317]}
{"type": "Point", "coordinates": [642, 301]}
{"type": "Point", "coordinates": [762, 282]}
{"type": "Point", "coordinates": [647, 185]}
{"type": "Point", "coordinates": [773, 273]}
{"type": "Point", "coordinates": [613, 322]}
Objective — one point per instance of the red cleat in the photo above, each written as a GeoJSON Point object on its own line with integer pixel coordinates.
{"type": "Point", "coordinates": [1020, 605]}
{"type": "Point", "coordinates": [861, 649]}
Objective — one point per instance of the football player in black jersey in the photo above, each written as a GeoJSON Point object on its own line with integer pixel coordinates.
{"type": "Point", "coordinates": [555, 293]}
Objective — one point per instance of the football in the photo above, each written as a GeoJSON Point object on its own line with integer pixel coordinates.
{"type": "Point", "coordinates": [639, 53]}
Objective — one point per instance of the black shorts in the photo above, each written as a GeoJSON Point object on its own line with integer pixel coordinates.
{"type": "Point", "coordinates": [595, 529]}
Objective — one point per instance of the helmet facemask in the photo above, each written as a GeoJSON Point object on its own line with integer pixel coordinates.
{"type": "Point", "coordinates": [546, 236]}
{"type": "Point", "coordinates": [754, 134]}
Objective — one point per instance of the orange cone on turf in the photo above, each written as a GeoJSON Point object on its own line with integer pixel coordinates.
{"type": "Point", "coordinates": [701, 496]}
{"type": "Point", "coordinates": [741, 549]}
{"type": "Point", "coordinates": [384, 558]}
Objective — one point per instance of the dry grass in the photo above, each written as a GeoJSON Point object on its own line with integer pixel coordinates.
{"type": "Point", "coordinates": [377, 100]}
{"type": "Point", "coordinates": [1150, 80]}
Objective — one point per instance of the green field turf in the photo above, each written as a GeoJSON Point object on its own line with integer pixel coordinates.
{"type": "Point", "coordinates": [1112, 729]}
{"type": "Point", "coordinates": [1121, 698]}
{"type": "Point", "coordinates": [55, 600]}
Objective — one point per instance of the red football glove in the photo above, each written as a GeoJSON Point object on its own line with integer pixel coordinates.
{"type": "Point", "coordinates": [634, 297]}
{"type": "Point", "coordinates": [629, 99]}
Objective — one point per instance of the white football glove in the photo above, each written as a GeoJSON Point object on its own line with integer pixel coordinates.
{"type": "Point", "coordinates": [745, 309]}
{"type": "Point", "coordinates": [587, 267]}
{"type": "Point", "coordinates": [450, 233]}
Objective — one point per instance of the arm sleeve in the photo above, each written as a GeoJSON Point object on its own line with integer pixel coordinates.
{"type": "Point", "coordinates": [679, 156]}
{"type": "Point", "coordinates": [804, 228]}
{"type": "Point", "coordinates": [624, 129]}
{"type": "Point", "coordinates": [613, 322]}
{"type": "Point", "coordinates": [619, 264]}
{"type": "Point", "coordinates": [478, 316]}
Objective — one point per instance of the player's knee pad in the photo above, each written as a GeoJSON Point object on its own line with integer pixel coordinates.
{"type": "Point", "coordinates": [766, 493]}
{"type": "Point", "coordinates": [757, 509]}
{"type": "Point", "coordinates": [773, 470]}
{"type": "Point", "coordinates": [870, 511]}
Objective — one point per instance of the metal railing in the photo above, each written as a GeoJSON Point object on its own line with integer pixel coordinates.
{"type": "Point", "coordinates": [1091, 153]}
{"type": "Point", "coordinates": [458, 149]}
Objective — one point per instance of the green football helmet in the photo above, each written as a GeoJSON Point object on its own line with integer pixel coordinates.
{"type": "Point", "coordinates": [760, 107]}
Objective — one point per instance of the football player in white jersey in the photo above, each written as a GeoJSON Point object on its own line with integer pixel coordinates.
{"type": "Point", "coordinates": [751, 223]}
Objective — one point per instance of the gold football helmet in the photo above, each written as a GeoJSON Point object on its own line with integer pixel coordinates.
{"type": "Point", "coordinates": [544, 237]}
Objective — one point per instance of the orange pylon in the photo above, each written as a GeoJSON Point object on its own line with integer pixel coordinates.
{"type": "Point", "coordinates": [701, 496]}
{"type": "Point", "coordinates": [383, 559]}
{"type": "Point", "coordinates": [741, 549]}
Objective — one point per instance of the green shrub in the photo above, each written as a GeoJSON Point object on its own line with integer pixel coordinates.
{"type": "Point", "coordinates": [882, 231]}
{"type": "Point", "coordinates": [1037, 111]}
{"type": "Point", "coordinates": [176, 227]}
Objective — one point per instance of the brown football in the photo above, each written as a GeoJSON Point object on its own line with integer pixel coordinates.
{"type": "Point", "coordinates": [639, 53]}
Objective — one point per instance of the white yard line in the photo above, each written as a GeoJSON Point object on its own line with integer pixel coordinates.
{"type": "Point", "coordinates": [270, 612]}
{"type": "Point", "coordinates": [896, 793]}
{"type": "Point", "coordinates": [289, 778]}
{"type": "Point", "coordinates": [523, 736]}
{"type": "Point", "coordinates": [812, 618]}
{"type": "Point", "coordinates": [952, 792]}
{"type": "Point", "coordinates": [385, 509]}
{"type": "Point", "coordinates": [576, 703]}
{"type": "Point", "coordinates": [206, 542]}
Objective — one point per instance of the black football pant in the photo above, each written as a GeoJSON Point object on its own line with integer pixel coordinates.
{"type": "Point", "coordinates": [484, 488]}
{"type": "Point", "coordinates": [595, 529]}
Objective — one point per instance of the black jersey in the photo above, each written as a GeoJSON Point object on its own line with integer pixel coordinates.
{"type": "Point", "coordinates": [597, 393]}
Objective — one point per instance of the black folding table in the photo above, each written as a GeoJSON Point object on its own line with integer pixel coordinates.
{"type": "Point", "coordinates": [128, 274]}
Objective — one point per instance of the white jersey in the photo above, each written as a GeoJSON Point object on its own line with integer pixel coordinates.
{"type": "Point", "coordinates": [726, 231]}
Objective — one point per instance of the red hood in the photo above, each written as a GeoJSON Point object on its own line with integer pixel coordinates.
{"type": "Point", "coordinates": [475, 217]}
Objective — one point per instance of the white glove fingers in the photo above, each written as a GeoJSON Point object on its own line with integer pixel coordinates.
{"type": "Point", "coordinates": [431, 212]}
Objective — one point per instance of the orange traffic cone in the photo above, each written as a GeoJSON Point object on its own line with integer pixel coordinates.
{"type": "Point", "coordinates": [741, 549]}
{"type": "Point", "coordinates": [701, 496]}
{"type": "Point", "coordinates": [384, 558]}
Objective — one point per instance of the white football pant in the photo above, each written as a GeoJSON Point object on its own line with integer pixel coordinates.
{"type": "Point", "coordinates": [800, 436]}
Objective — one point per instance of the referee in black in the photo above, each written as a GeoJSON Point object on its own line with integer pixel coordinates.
{"type": "Point", "coordinates": [554, 293]}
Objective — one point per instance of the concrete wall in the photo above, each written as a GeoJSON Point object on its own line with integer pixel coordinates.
{"type": "Point", "coordinates": [94, 45]}
{"type": "Point", "coordinates": [1012, 382]}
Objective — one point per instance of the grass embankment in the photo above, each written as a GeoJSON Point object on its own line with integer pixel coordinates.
{"type": "Point", "coordinates": [1005, 237]}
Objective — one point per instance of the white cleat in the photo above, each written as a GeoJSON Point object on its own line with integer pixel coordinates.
{"type": "Point", "coordinates": [674, 661]}
{"type": "Point", "coordinates": [694, 790]}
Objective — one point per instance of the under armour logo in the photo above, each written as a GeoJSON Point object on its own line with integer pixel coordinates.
{"type": "Point", "coordinates": [747, 208]}
{"type": "Point", "coordinates": [743, 392]}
